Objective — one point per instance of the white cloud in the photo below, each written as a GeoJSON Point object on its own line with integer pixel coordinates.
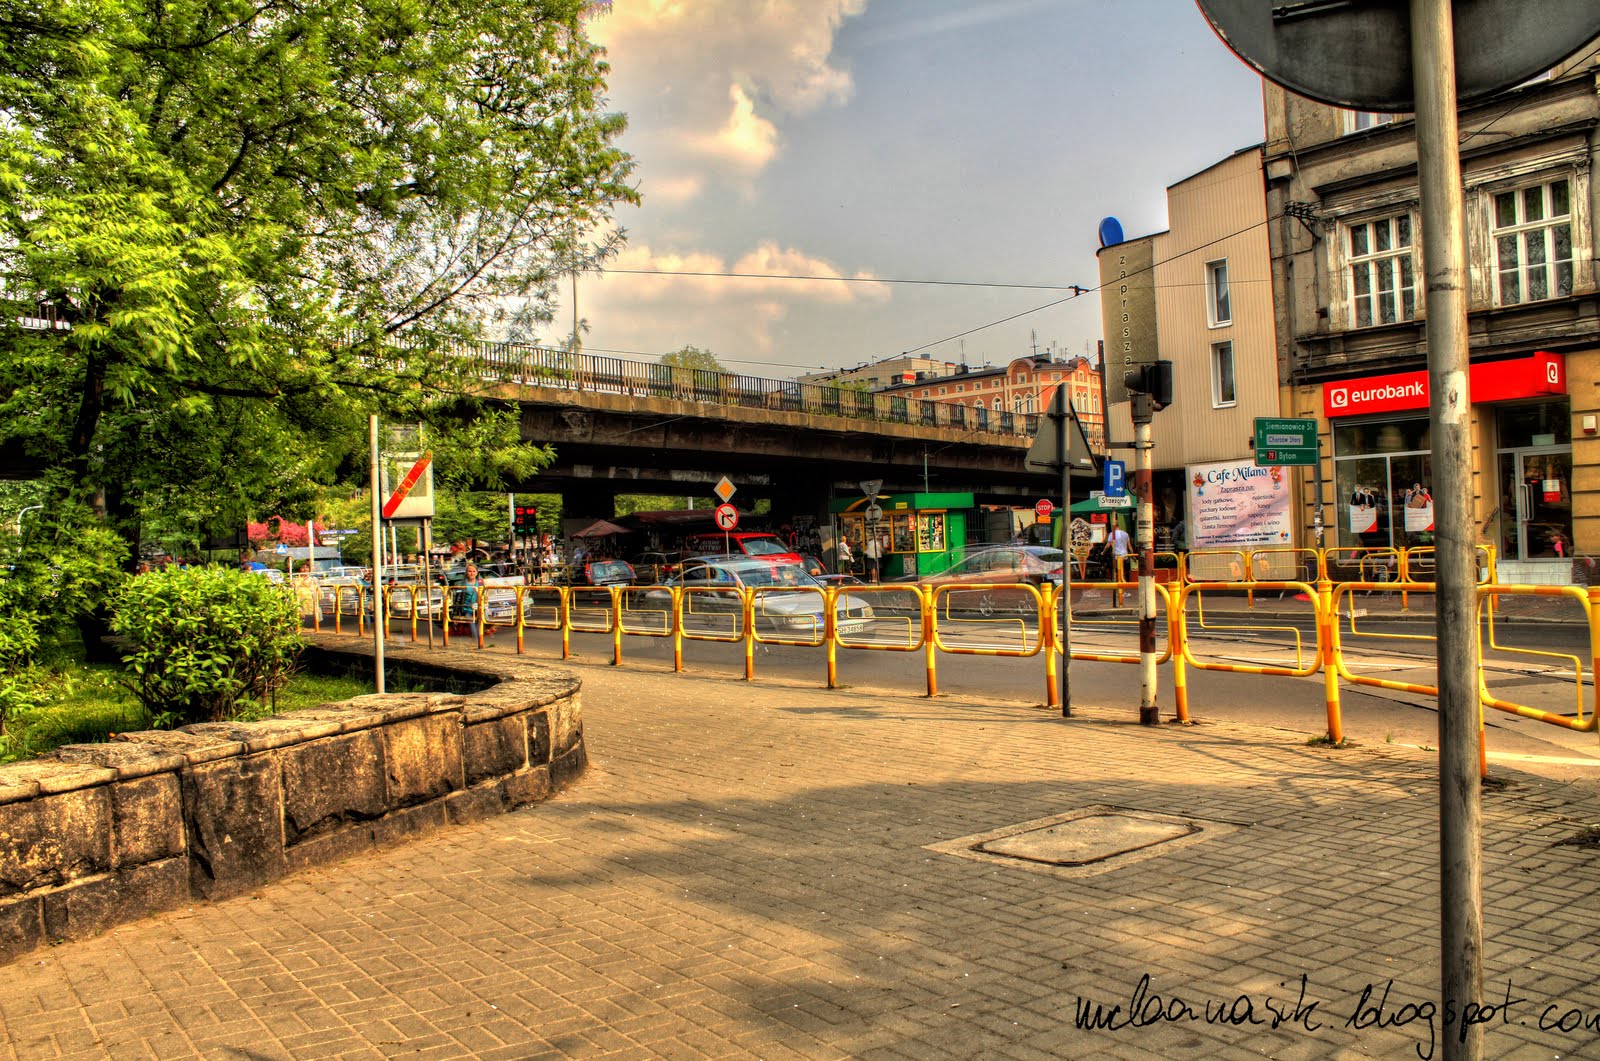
{"type": "Point", "coordinates": [677, 66]}
{"type": "Point", "coordinates": [734, 316]}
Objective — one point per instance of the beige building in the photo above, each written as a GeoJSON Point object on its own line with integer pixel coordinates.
{"type": "Point", "coordinates": [1208, 308]}
{"type": "Point", "coordinates": [1346, 235]}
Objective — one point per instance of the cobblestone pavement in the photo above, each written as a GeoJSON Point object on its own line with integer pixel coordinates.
{"type": "Point", "coordinates": [748, 870]}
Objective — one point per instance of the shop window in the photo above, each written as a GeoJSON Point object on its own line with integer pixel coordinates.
{"type": "Point", "coordinates": [1223, 391]}
{"type": "Point", "coordinates": [1218, 309]}
{"type": "Point", "coordinates": [1382, 271]}
{"type": "Point", "coordinates": [1533, 243]}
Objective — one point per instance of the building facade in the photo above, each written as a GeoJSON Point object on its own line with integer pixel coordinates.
{"type": "Point", "coordinates": [1342, 192]}
{"type": "Point", "coordinates": [1025, 385]}
{"type": "Point", "coordinates": [1200, 296]}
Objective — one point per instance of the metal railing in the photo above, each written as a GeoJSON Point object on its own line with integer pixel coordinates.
{"type": "Point", "coordinates": [551, 369]}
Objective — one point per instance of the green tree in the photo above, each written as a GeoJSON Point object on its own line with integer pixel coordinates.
{"type": "Point", "coordinates": [693, 357]}
{"type": "Point", "coordinates": [233, 229]}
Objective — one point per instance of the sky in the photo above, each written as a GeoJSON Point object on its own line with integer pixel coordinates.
{"type": "Point", "coordinates": [853, 145]}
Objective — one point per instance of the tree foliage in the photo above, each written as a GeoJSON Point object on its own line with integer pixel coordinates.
{"type": "Point", "coordinates": [233, 228]}
{"type": "Point", "coordinates": [693, 357]}
{"type": "Point", "coordinates": [204, 639]}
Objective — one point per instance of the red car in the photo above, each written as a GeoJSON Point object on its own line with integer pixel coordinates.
{"type": "Point", "coordinates": [768, 547]}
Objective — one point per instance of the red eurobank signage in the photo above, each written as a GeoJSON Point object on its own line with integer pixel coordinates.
{"type": "Point", "coordinates": [1537, 374]}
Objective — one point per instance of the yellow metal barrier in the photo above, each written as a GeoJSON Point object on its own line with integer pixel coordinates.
{"type": "Point", "coordinates": [710, 605]}
{"type": "Point", "coordinates": [1587, 598]}
{"type": "Point", "coordinates": [1053, 604]}
{"type": "Point", "coordinates": [1217, 565]}
{"type": "Point", "coordinates": [1282, 563]}
{"type": "Point", "coordinates": [977, 620]}
{"type": "Point", "coordinates": [895, 607]}
{"type": "Point", "coordinates": [1324, 636]}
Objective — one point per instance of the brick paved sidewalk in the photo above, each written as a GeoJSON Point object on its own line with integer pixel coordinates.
{"type": "Point", "coordinates": [748, 871]}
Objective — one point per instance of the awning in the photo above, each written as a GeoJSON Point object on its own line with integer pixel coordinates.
{"type": "Point", "coordinates": [601, 528]}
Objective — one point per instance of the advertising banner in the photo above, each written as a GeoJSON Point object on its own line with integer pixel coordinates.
{"type": "Point", "coordinates": [1238, 504]}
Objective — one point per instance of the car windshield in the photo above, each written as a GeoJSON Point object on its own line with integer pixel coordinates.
{"type": "Point", "coordinates": [1031, 560]}
{"type": "Point", "coordinates": [756, 575]}
{"type": "Point", "coordinates": [764, 547]}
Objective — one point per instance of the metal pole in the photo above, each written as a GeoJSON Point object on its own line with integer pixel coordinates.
{"type": "Point", "coordinates": [377, 558]}
{"type": "Point", "coordinates": [426, 531]}
{"type": "Point", "coordinates": [1316, 516]}
{"type": "Point", "coordinates": [1143, 444]}
{"type": "Point", "coordinates": [1058, 413]}
{"type": "Point", "coordinates": [1443, 253]}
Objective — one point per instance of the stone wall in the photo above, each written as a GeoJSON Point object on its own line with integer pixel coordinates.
{"type": "Point", "coordinates": [100, 834]}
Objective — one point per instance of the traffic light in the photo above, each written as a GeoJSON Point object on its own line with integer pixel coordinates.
{"type": "Point", "coordinates": [1153, 378]}
{"type": "Point", "coordinates": [525, 519]}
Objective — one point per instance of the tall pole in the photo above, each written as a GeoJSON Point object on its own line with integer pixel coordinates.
{"type": "Point", "coordinates": [1144, 445]}
{"type": "Point", "coordinates": [1059, 414]}
{"type": "Point", "coordinates": [1443, 253]}
{"type": "Point", "coordinates": [377, 558]}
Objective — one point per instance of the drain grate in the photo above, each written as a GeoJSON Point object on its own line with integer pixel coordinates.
{"type": "Point", "coordinates": [1085, 841]}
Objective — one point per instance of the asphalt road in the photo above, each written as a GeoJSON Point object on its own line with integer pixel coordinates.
{"type": "Point", "coordinates": [1398, 651]}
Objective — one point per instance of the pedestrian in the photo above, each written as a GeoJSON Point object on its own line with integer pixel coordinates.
{"type": "Point", "coordinates": [1121, 547]}
{"type": "Point", "coordinates": [468, 597]}
{"type": "Point", "coordinates": [874, 553]}
{"type": "Point", "coordinates": [847, 559]}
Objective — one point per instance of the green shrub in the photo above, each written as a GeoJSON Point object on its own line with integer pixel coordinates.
{"type": "Point", "coordinates": [205, 639]}
{"type": "Point", "coordinates": [20, 681]}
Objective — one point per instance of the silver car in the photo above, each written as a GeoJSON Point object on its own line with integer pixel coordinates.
{"type": "Point", "coordinates": [714, 584]}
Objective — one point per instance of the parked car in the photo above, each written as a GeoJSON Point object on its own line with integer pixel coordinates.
{"type": "Point", "coordinates": [995, 566]}
{"type": "Point", "coordinates": [767, 547]}
{"type": "Point", "coordinates": [651, 569]}
{"type": "Point", "coordinates": [598, 573]}
{"type": "Point", "coordinates": [716, 582]}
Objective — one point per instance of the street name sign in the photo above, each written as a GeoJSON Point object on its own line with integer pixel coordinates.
{"type": "Point", "coordinates": [1291, 442]}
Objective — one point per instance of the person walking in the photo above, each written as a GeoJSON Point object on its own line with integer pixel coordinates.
{"type": "Point", "coordinates": [847, 558]}
{"type": "Point", "coordinates": [1121, 548]}
{"type": "Point", "coordinates": [467, 601]}
{"type": "Point", "coordinates": [873, 549]}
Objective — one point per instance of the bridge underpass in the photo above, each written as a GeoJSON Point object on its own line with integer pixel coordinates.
{"type": "Point", "coordinates": [609, 444]}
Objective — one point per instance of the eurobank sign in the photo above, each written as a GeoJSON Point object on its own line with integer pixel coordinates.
{"type": "Point", "coordinates": [1538, 374]}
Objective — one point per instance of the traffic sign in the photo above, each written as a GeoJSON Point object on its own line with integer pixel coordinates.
{"type": "Point", "coordinates": [282, 549]}
{"type": "Point", "coordinates": [873, 513]}
{"type": "Point", "coordinates": [1286, 442]}
{"type": "Point", "coordinates": [1114, 502]}
{"type": "Point", "coordinates": [391, 507]}
{"type": "Point", "coordinates": [725, 489]}
{"type": "Point", "coordinates": [1116, 478]}
{"type": "Point", "coordinates": [1043, 507]}
{"type": "Point", "coordinates": [726, 516]}
{"type": "Point", "coordinates": [870, 487]}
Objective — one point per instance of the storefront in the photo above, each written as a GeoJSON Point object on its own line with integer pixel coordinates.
{"type": "Point", "coordinates": [920, 534]}
{"type": "Point", "coordinates": [1383, 465]}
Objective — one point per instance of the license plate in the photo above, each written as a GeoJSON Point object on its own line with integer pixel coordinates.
{"type": "Point", "coordinates": [850, 626]}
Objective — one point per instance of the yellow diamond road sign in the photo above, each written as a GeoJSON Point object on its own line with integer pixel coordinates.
{"type": "Point", "coordinates": [725, 489]}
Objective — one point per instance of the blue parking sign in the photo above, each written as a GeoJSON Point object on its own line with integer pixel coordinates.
{"type": "Point", "coordinates": [1116, 473]}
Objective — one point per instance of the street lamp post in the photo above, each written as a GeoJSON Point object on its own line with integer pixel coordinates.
{"type": "Point", "coordinates": [25, 510]}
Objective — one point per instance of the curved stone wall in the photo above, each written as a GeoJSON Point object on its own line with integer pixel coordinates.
{"type": "Point", "coordinates": [100, 834]}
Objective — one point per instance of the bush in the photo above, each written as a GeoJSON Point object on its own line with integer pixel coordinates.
{"type": "Point", "coordinates": [20, 681]}
{"type": "Point", "coordinates": [205, 639]}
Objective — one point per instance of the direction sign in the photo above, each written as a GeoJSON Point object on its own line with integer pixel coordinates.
{"type": "Point", "coordinates": [1125, 501]}
{"type": "Point", "coordinates": [1043, 507]}
{"type": "Point", "coordinates": [1291, 442]}
{"type": "Point", "coordinates": [1116, 478]}
{"type": "Point", "coordinates": [725, 489]}
{"type": "Point", "coordinates": [725, 516]}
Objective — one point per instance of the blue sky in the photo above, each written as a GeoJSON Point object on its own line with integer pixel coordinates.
{"type": "Point", "coordinates": [965, 141]}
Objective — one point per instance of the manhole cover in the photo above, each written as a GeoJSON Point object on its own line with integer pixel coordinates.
{"type": "Point", "coordinates": [1086, 841]}
{"type": "Point", "coordinates": [1092, 838]}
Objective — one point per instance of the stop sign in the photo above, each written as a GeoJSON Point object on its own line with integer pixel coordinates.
{"type": "Point", "coordinates": [1044, 508]}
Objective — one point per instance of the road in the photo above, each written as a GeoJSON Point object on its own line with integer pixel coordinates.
{"type": "Point", "coordinates": [1534, 665]}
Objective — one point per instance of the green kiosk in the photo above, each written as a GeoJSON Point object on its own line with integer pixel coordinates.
{"type": "Point", "coordinates": [921, 534]}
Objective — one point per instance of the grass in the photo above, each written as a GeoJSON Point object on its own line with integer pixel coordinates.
{"type": "Point", "coordinates": [89, 703]}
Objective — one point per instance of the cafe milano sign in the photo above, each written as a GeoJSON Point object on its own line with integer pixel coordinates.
{"type": "Point", "coordinates": [1541, 373]}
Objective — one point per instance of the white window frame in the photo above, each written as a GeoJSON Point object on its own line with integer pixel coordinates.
{"type": "Point", "coordinates": [1219, 297]}
{"type": "Point", "coordinates": [1219, 352]}
{"type": "Point", "coordinates": [1361, 121]}
{"type": "Point", "coordinates": [1388, 262]}
{"type": "Point", "coordinates": [1519, 231]}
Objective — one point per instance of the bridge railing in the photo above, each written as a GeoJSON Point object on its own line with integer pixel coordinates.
{"type": "Point", "coordinates": [539, 366]}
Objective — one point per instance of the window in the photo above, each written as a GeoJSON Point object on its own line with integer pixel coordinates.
{"type": "Point", "coordinates": [1360, 121]}
{"type": "Point", "coordinates": [1223, 390]}
{"type": "Point", "coordinates": [1533, 243]}
{"type": "Point", "coordinates": [1383, 277]}
{"type": "Point", "coordinates": [1217, 311]}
